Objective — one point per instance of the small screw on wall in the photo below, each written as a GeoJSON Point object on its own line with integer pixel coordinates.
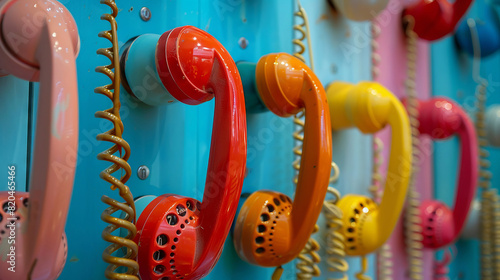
{"type": "Point", "coordinates": [143, 172]}
{"type": "Point", "coordinates": [243, 42]}
{"type": "Point", "coordinates": [145, 14]}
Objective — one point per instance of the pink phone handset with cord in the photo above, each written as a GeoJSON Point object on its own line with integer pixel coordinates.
{"type": "Point", "coordinates": [40, 43]}
{"type": "Point", "coordinates": [441, 118]}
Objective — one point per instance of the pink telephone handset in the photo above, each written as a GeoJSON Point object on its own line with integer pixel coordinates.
{"type": "Point", "coordinates": [440, 118]}
{"type": "Point", "coordinates": [40, 43]}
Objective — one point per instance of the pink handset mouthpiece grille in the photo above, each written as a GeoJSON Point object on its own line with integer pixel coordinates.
{"type": "Point", "coordinates": [441, 118]}
{"type": "Point", "coordinates": [40, 43]}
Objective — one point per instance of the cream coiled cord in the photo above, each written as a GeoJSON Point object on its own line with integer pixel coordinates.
{"type": "Point", "coordinates": [308, 258]}
{"type": "Point", "coordinates": [384, 254]}
{"type": "Point", "coordinates": [412, 222]}
{"type": "Point", "coordinates": [489, 198]}
{"type": "Point", "coordinates": [114, 136]}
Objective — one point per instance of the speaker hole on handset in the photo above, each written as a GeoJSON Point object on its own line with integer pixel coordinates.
{"type": "Point", "coordinates": [173, 247]}
{"type": "Point", "coordinates": [190, 205]}
{"type": "Point", "coordinates": [352, 220]}
{"type": "Point", "coordinates": [356, 211]}
{"type": "Point", "coordinates": [350, 229]}
{"type": "Point", "coordinates": [183, 226]}
{"type": "Point", "coordinates": [264, 217]}
{"type": "Point", "coordinates": [186, 221]}
{"type": "Point", "coordinates": [172, 261]}
{"type": "Point", "coordinates": [159, 255]}
{"type": "Point", "coordinates": [276, 201]}
{"type": "Point", "coordinates": [260, 250]}
{"type": "Point", "coordinates": [270, 208]}
{"type": "Point", "coordinates": [178, 232]}
{"type": "Point", "coordinates": [259, 240]}
{"type": "Point", "coordinates": [260, 228]}
{"type": "Point", "coordinates": [172, 255]}
{"type": "Point", "coordinates": [172, 219]}
{"type": "Point", "coordinates": [283, 198]}
{"type": "Point", "coordinates": [25, 202]}
{"type": "Point", "coordinates": [159, 269]}
{"type": "Point", "coordinates": [176, 240]}
{"type": "Point", "coordinates": [350, 239]}
{"type": "Point", "coordinates": [162, 239]}
{"type": "Point", "coordinates": [181, 210]}
{"type": "Point", "coordinates": [5, 207]}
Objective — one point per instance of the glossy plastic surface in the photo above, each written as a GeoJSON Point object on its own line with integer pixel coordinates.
{"type": "Point", "coordinates": [270, 229]}
{"type": "Point", "coordinates": [369, 107]}
{"type": "Point", "coordinates": [360, 10]}
{"type": "Point", "coordinates": [488, 32]}
{"type": "Point", "coordinates": [47, 55]}
{"type": "Point", "coordinates": [435, 19]}
{"type": "Point", "coordinates": [441, 118]}
{"type": "Point", "coordinates": [194, 67]}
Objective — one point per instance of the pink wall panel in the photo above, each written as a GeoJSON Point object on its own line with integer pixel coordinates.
{"type": "Point", "coordinates": [392, 74]}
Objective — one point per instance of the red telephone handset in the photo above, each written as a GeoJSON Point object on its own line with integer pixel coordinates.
{"type": "Point", "coordinates": [440, 118]}
{"type": "Point", "coordinates": [178, 236]}
{"type": "Point", "coordinates": [47, 55]}
{"type": "Point", "coordinates": [434, 19]}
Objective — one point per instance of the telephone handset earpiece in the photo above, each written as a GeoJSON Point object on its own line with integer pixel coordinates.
{"type": "Point", "coordinates": [369, 107]}
{"type": "Point", "coordinates": [359, 10]}
{"type": "Point", "coordinates": [271, 230]}
{"type": "Point", "coordinates": [434, 19]}
{"type": "Point", "coordinates": [46, 54]}
{"type": "Point", "coordinates": [180, 237]}
{"type": "Point", "coordinates": [440, 118]}
{"type": "Point", "coordinates": [487, 29]}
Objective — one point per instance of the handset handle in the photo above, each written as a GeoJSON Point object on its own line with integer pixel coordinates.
{"type": "Point", "coordinates": [468, 173]}
{"type": "Point", "coordinates": [53, 169]}
{"type": "Point", "coordinates": [47, 55]}
{"type": "Point", "coordinates": [398, 170]}
{"type": "Point", "coordinates": [286, 85]}
{"type": "Point", "coordinates": [195, 71]}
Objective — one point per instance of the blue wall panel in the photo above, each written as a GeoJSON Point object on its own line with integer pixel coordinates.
{"type": "Point", "coordinates": [452, 77]}
{"type": "Point", "coordinates": [174, 140]}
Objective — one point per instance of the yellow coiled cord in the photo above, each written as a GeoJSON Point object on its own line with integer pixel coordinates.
{"type": "Point", "coordinates": [335, 240]}
{"type": "Point", "coordinates": [413, 227]}
{"type": "Point", "coordinates": [307, 260]}
{"type": "Point", "coordinates": [488, 195]}
{"type": "Point", "coordinates": [112, 91]}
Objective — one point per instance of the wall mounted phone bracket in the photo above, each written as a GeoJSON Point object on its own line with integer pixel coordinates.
{"type": "Point", "coordinates": [253, 102]}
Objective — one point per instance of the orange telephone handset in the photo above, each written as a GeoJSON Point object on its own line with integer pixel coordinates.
{"type": "Point", "coordinates": [271, 230]}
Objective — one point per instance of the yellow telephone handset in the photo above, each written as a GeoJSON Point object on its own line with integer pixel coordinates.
{"type": "Point", "coordinates": [370, 107]}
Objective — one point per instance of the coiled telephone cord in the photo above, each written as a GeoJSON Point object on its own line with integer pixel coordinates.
{"type": "Point", "coordinates": [487, 227]}
{"type": "Point", "coordinates": [413, 228]}
{"type": "Point", "coordinates": [114, 136]}
{"type": "Point", "coordinates": [384, 254]}
{"type": "Point", "coordinates": [335, 240]}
